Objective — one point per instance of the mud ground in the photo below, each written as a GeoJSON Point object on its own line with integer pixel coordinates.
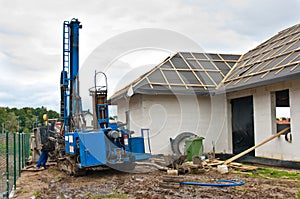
{"type": "Point", "coordinates": [52, 183]}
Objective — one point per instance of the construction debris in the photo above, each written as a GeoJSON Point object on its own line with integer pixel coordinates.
{"type": "Point", "coordinates": [242, 167]}
{"type": "Point", "coordinates": [172, 172]}
{"type": "Point", "coordinates": [171, 182]}
{"type": "Point", "coordinates": [222, 169]}
{"type": "Point", "coordinates": [200, 166]}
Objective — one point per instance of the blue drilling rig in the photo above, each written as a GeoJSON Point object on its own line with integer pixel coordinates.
{"type": "Point", "coordinates": [108, 144]}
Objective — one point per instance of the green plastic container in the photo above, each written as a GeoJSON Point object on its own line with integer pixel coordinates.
{"type": "Point", "coordinates": [193, 147]}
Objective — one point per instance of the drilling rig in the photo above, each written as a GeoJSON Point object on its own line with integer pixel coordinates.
{"type": "Point", "coordinates": [109, 143]}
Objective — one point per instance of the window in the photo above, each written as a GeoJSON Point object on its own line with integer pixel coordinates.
{"type": "Point", "coordinates": [282, 109]}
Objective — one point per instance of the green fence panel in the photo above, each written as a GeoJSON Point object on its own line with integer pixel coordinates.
{"type": "Point", "coordinates": [14, 153]}
{"type": "Point", "coordinates": [2, 164]}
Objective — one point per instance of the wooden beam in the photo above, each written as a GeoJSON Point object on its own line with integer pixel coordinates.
{"type": "Point", "coordinates": [261, 72]}
{"type": "Point", "coordinates": [273, 51]}
{"type": "Point", "coordinates": [165, 78]}
{"type": "Point", "coordinates": [205, 88]}
{"type": "Point", "coordinates": [272, 44]}
{"type": "Point", "coordinates": [189, 70]}
{"type": "Point", "coordinates": [199, 64]}
{"type": "Point", "coordinates": [256, 146]}
{"type": "Point", "coordinates": [183, 85]}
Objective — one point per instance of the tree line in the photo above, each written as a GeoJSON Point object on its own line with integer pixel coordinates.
{"type": "Point", "coordinates": [23, 119]}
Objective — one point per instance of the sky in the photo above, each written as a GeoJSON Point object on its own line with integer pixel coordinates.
{"type": "Point", "coordinates": [31, 37]}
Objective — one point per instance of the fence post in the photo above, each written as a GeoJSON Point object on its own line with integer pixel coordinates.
{"type": "Point", "coordinates": [7, 167]}
{"type": "Point", "coordinates": [19, 143]}
{"type": "Point", "coordinates": [27, 147]}
{"type": "Point", "coordinates": [23, 140]}
{"type": "Point", "coordinates": [15, 162]}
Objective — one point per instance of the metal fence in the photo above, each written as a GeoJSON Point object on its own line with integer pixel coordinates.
{"type": "Point", "coordinates": [14, 153]}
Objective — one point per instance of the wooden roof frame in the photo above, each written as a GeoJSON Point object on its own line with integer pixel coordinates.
{"type": "Point", "coordinates": [261, 60]}
{"type": "Point", "coordinates": [195, 69]}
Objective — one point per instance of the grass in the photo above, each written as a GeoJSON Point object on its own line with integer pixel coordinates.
{"type": "Point", "coordinates": [114, 195]}
{"type": "Point", "coordinates": [2, 147]}
{"type": "Point", "coordinates": [37, 194]}
{"type": "Point", "coordinates": [275, 173]}
{"type": "Point", "coordinates": [21, 191]}
{"type": "Point", "coordinates": [117, 194]}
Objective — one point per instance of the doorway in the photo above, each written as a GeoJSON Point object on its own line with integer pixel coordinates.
{"type": "Point", "coordinates": [242, 125]}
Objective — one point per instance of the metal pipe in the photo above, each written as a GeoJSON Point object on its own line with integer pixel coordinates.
{"type": "Point", "coordinates": [127, 118]}
{"type": "Point", "coordinates": [97, 113]}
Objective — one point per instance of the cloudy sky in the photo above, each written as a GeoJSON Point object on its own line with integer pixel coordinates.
{"type": "Point", "coordinates": [31, 34]}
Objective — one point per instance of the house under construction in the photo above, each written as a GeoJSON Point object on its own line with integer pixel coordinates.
{"type": "Point", "coordinates": [233, 101]}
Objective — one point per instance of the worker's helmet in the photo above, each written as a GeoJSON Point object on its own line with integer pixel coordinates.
{"type": "Point", "coordinates": [45, 117]}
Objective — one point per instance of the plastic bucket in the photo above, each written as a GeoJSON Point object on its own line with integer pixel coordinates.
{"type": "Point", "coordinates": [193, 147]}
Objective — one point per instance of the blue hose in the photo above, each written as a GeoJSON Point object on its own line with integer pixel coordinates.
{"type": "Point", "coordinates": [231, 183]}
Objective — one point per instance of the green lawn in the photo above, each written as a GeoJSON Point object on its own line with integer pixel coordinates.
{"type": "Point", "coordinates": [275, 173]}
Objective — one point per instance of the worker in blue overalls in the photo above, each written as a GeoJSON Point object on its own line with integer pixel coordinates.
{"type": "Point", "coordinates": [44, 153]}
{"type": "Point", "coordinates": [42, 160]}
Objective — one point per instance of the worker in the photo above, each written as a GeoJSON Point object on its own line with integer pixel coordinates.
{"type": "Point", "coordinates": [42, 160]}
{"type": "Point", "coordinates": [44, 153]}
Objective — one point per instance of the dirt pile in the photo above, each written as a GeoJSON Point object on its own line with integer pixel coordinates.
{"type": "Point", "coordinates": [52, 183]}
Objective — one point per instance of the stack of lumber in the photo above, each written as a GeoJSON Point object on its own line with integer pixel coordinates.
{"type": "Point", "coordinates": [171, 182]}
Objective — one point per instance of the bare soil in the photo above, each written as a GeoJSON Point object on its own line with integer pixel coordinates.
{"type": "Point", "coordinates": [52, 183]}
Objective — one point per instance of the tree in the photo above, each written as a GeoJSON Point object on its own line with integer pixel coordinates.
{"type": "Point", "coordinates": [25, 118]}
{"type": "Point", "coordinates": [3, 116]}
{"type": "Point", "coordinates": [12, 121]}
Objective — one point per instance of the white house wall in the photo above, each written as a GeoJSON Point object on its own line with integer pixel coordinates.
{"type": "Point", "coordinates": [217, 132]}
{"type": "Point", "coordinates": [122, 107]}
{"type": "Point", "coordinates": [264, 120]}
{"type": "Point", "coordinates": [167, 116]}
{"type": "Point", "coordinates": [89, 121]}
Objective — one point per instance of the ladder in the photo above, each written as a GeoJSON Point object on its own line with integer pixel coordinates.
{"type": "Point", "coordinates": [65, 74]}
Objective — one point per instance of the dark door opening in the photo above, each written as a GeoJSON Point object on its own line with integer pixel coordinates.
{"type": "Point", "coordinates": [242, 124]}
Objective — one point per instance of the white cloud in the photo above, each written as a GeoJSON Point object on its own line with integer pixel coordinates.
{"type": "Point", "coordinates": [31, 34]}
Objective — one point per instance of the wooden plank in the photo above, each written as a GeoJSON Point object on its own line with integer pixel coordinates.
{"type": "Point", "coordinates": [214, 60]}
{"type": "Point", "coordinates": [176, 84]}
{"type": "Point", "coordinates": [260, 72]}
{"type": "Point", "coordinates": [204, 86]}
{"type": "Point", "coordinates": [243, 167]}
{"type": "Point", "coordinates": [272, 43]}
{"type": "Point", "coordinates": [165, 78]}
{"type": "Point", "coordinates": [294, 68]}
{"type": "Point", "coordinates": [188, 70]}
{"type": "Point", "coordinates": [149, 82]}
{"type": "Point", "coordinates": [172, 178]}
{"type": "Point", "coordinates": [256, 146]}
{"type": "Point", "coordinates": [153, 70]}
{"type": "Point", "coordinates": [285, 52]}
{"type": "Point", "coordinates": [169, 185]}
{"type": "Point", "coordinates": [232, 72]}
{"type": "Point", "coordinates": [199, 64]}
{"type": "Point", "coordinates": [176, 70]}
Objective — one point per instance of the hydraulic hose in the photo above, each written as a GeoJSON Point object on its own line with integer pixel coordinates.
{"type": "Point", "coordinates": [152, 165]}
{"type": "Point", "coordinates": [228, 183]}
